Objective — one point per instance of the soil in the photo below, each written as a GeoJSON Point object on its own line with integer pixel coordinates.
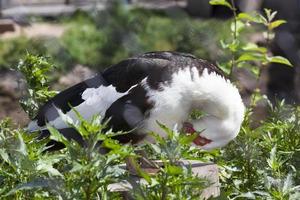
{"type": "Point", "coordinates": [35, 30]}
{"type": "Point", "coordinates": [10, 94]}
{"type": "Point", "coordinates": [12, 89]}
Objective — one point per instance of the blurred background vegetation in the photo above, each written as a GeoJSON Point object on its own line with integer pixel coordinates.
{"type": "Point", "coordinates": [99, 39]}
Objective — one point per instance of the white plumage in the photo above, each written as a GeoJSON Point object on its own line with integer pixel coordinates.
{"type": "Point", "coordinates": [211, 93]}
{"type": "Point", "coordinates": [159, 86]}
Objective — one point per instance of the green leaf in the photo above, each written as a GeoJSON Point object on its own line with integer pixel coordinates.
{"type": "Point", "coordinates": [249, 57]}
{"type": "Point", "coordinates": [139, 171]}
{"type": "Point", "coordinates": [268, 12]}
{"type": "Point", "coordinates": [155, 148]}
{"type": "Point", "coordinates": [22, 146]}
{"type": "Point", "coordinates": [224, 67]}
{"type": "Point", "coordinates": [249, 17]}
{"type": "Point", "coordinates": [76, 167]}
{"type": "Point", "coordinates": [188, 139]}
{"type": "Point", "coordinates": [111, 144]}
{"type": "Point", "coordinates": [234, 46]}
{"type": "Point", "coordinates": [65, 118]}
{"type": "Point", "coordinates": [57, 136]}
{"type": "Point", "coordinates": [255, 71]}
{"type": "Point", "coordinates": [43, 166]}
{"type": "Point", "coordinates": [4, 155]}
{"type": "Point", "coordinates": [270, 15]}
{"type": "Point", "coordinates": [239, 26]}
{"type": "Point", "coordinates": [279, 59]}
{"type": "Point", "coordinates": [248, 195]}
{"type": "Point", "coordinates": [263, 20]}
{"type": "Point", "coordinates": [220, 3]}
{"type": "Point", "coordinates": [224, 45]}
{"type": "Point", "coordinates": [166, 129]}
{"type": "Point", "coordinates": [254, 47]}
{"type": "Point", "coordinates": [173, 169]}
{"type": "Point", "coordinates": [38, 183]}
{"type": "Point", "coordinates": [276, 23]}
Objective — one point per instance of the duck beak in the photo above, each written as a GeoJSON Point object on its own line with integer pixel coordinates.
{"type": "Point", "coordinates": [201, 141]}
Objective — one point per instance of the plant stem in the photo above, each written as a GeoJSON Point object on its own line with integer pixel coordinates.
{"type": "Point", "coordinates": [164, 187]}
{"type": "Point", "coordinates": [268, 40]}
{"type": "Point", "coordinates": [235, 19]}
{"type": "Point", "coordinates": [234, 37]}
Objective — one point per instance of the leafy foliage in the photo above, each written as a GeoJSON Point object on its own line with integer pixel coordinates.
{"type": "Point", "coordinates": [83, 43]}
{"type": "Point", "coordinates": [80, 171]}
{"type": "Point", "coordinates": [34, 69]}
{"type": "Point", "coordinates": [249, 54]}
{"type": "Point", "coordinates": [261, 163]}
{"type": "Point", "coordinates": [100, 39]}
{"type": "Point", "coordinates": [73, 173]}
{"type": "Point", "coordinates": [119, 32]}
{"type": "Point", "coordinates": [261, 159]}
{"type": "Point", "coordinates": [174, 179]}
{"type": "Point", "coordinates": [11, 50]}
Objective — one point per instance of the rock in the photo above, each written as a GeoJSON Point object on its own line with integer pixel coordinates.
{"type": "Point", "coordinates": [10, 92]}
{"type": "Point", "coordinates": [10, 84]}
{"type": "Point", "coordinates": [208, 171]}
{"type": "Point", "coordinates": [249, 5]}
{"type": "Point", "coordinates": [78, 74]}
{"type": "Point", "coordinates": [12, 109]}
{"type": "Point", "coordinates": [6, 25]}
{"type": "Point", "coordinates": [200, 8]}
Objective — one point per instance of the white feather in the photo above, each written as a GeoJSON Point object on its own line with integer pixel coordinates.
{"type": "Point", "coordinates": [96, 101]}
{"type": "Point", "coordinates": [32, 126]}
{"type": "Point", "coordinates": [209, 92]}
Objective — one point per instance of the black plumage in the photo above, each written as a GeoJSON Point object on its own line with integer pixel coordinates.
{"type": "Point", "coordinates": [131, 110]}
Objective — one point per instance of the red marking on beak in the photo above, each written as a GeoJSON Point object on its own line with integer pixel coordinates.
{"type": "Point", "coordinates": [199, 141]}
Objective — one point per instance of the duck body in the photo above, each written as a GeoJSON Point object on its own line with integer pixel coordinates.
{"type": "Point", "coordinates": [157, 86]}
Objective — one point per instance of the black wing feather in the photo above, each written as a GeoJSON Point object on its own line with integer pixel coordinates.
{"type": "Point", "coordinates": [128, 114]}
{"type": "Point", "coordinates": [63, 100]}
{"type": "Point", "coordinates": [131, 110]}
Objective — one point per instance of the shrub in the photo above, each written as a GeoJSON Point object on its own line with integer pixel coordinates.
{"type": "Point", "coordinates": [11, 50]}
{"type": "Point", "coordinates": [119, 32]}
{"type": "Point", "coordinates": [83, 42]}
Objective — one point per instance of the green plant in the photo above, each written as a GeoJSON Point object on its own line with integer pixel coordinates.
{"type": "Point", "coordinates": [105, 38]}
{"type": "Point", "coordinates": [34, 69]}
{"type": "Point", "coordinates": [87, 172]}
{"type": "Point", "coordinates": [81, 171]}
{"type": "Point", "coordinates": [11, 50]}
{"type": "Point", "coordinates": [174, 180]}
{"type": "Point", "coordinates": [77, 172]}
{"type": "Point", "coordinates": [248, 54]}
{"type": "Point", "coordinates": [83, 42]}
{"type": "Point", "coordinates": [23, 165]}
{"type": "Point", "coordinates": [251, 166]}
{"type": "Point", "coordinates": [259, 161]}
